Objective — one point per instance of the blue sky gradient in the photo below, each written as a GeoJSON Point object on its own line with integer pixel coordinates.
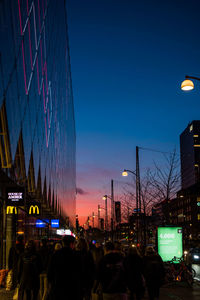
{"type": "Point", "coordinates": [128, 59]}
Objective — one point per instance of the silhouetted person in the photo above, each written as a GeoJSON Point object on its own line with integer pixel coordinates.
{"type": "Point", "coordinates": [88, 267]}
{"type": "Point", "coordinates": [44, 253]}
{"type": "Point", "coordinates": [29, 271]}
{"type": "Point", "coordinates": [13, 259]}
{"type": "Point", "coordinates": [134, 267]}
{"type": "Point", "coordinates": [153, 272]}
{"type": "Point", "coordinates": [112, 274]}
{"type": "Point", "coordinates": [65, 272]}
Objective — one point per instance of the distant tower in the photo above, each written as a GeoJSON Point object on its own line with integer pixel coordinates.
{"type": "Point", "coordinates": [190, 155]}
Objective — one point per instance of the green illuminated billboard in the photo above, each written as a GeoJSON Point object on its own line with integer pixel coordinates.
{"type": "Point", "coordinates": [170, 242]}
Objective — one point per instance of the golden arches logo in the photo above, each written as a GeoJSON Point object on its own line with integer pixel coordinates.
{"type": "Point", "coordinates": [34, 209]}
{"type": "Point", "coordinates": [11, 210]}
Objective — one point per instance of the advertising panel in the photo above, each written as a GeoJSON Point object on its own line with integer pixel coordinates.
{"type": "Point", "coordinates": [41, 223]}
{"type": "Point", "coordinates": [170, 242]}
{"type": "Point", "coordinates": [55, 223]}
{"type": "Point", "coordinates": [15, 196]}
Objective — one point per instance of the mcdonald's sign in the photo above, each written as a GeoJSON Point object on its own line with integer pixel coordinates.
{"type": "Point", "coordinates": [34, 209]}
{"type": "Point", "coordinates": [10, 210]}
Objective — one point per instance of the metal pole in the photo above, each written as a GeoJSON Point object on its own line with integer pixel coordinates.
{"type": "Point", "coordinates": [112, 208]}
{"type": "Point", "coordinates": [99, 217]}
{"type": "Point", "coordinates": [106, 214]}
{"type": "Point", "coordinates": [93, 219]}
{"type": "Point", "coordinates": [137, 195]}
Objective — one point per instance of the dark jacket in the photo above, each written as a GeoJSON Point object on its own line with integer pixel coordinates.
{"type": "Point", "coordinates": [154, 271]}
{"type": "Point", "coordinates": [112, 274]}
{"type": "Point", "coordinates": [44, 253]}
{"type": "Point", "coordinates": [88, 269]}
{"type": "Point", "coordinates": [65, 275]}
{"type": "Point", "coordinates": [13, 260]}
{"type": "Point", "coordinates": [134, 267]}
{"type": "Point", "coordinates": [29, 270]}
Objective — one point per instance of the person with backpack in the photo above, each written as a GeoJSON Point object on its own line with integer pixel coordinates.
{"type": "Point", "coordinates": [154, 272]}
{"type": "Point", "coordinates": [111, 274]}
{"type": "Point", "coordinates": [29, 271]}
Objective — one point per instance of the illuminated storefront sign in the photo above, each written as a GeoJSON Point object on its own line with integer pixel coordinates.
{"type": "Point", "coordinates": [34, 209]}
{"type": "Point", "coordinates": [170, 242]}
{"type": "Point", "coordinates": [41, 223]}
{"type": "Point", "coordinates": [64, 232]}
{"type": "Point", "coordinates": [10, 210]}
{"type": "Point", "coordinates": [15, 196]}
{"type": "Point", "coordinates": [55, 223]}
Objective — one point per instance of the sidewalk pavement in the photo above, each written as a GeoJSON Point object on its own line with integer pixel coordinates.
{"type": "Point", "coordinates": [6, 295]}
{"type": "Point", "coordinates": [177, 291]}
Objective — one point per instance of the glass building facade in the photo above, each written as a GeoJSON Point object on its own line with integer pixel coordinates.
{"type": "Point", "coordinates": [37, 126]}
{"type": "Point", "coordinates": [190, 155]}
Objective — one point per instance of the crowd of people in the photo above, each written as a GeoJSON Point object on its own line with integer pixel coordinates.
{"type": "Point", "coordinates": [75, 269]}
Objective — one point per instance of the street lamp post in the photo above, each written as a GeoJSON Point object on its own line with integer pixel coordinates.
{"type": "Point", "coordinates": [112, 217]}
{"type": "Point", "coordinates": [93, 216]}
{"type": "Point", "coordinates": [99, 214]}
{"type": "Point", "coordinates": [125, 173]}
{"type": "Point", "coordinates": [99, 217]}
{"type": "Point", "coordinates": [106, 211]}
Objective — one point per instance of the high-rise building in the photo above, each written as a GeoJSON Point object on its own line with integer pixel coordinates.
{"type": "Point", "coordinates": [37, 126]}
{"type": "Point", "coordinates": [190, 155]}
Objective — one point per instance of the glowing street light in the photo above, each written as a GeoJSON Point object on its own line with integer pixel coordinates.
{"type": "Point", "coordinates": [124, 173]}
{"type": "Point", "coordinates": [187, 84]}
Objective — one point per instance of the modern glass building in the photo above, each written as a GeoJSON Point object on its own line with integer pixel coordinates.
{"type": "Point", "coordinates": [190, 155]}
{"type": "Point", "coordinates": [37, 126]}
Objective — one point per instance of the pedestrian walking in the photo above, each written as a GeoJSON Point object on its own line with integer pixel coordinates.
{"type": "Point", "coordinates": [13, 258]}
{"type": "Point", "coordinates": [153, 272]}
{"type": "Point", "coordinates": [135, 280]}
{"type": "Point", "coordinates": [112, 274]}
{"type": "Point", "coordinates": [44, 253]}
{"type": "Point", "coordinates": [29, 271]}
{"type": "Point", "coordinates": [65, 272]}
{"type": "Point", "coordinates": [88, 267]}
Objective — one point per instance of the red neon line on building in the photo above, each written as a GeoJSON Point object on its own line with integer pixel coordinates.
{"type": "Point", "coordinates": [48, 119]}
{"type": "Point", "coordinates": [43, 7]}
{"type": "Point", "coordinates": [46, 132]}
{"type": "Point", "coordinates": [20, 17]}
{"type": "Point", "coordinates": [38, 78]}
{"type": "Point", "coordinates": [46, 77]}
{"type": "Point", "coordinates": [44, 97]}
{"type": "Point", "coordinates": [39, 14]}
{"type": "Point", "coordinates": [41, 57]}
{"type": "Point", "coordinates": [30, 49]}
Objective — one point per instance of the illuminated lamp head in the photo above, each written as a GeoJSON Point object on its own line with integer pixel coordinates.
{"type": "Point", "coordinates": [187, 85]}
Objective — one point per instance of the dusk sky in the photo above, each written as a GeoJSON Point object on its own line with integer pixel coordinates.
{"type": "Point", "coordinates": [128, 59]}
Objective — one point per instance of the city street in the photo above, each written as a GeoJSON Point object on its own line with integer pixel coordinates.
{"type": "Point", "coordinates": [180, 291]}
{"type": "Point", "coordinates": [177, 291]}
